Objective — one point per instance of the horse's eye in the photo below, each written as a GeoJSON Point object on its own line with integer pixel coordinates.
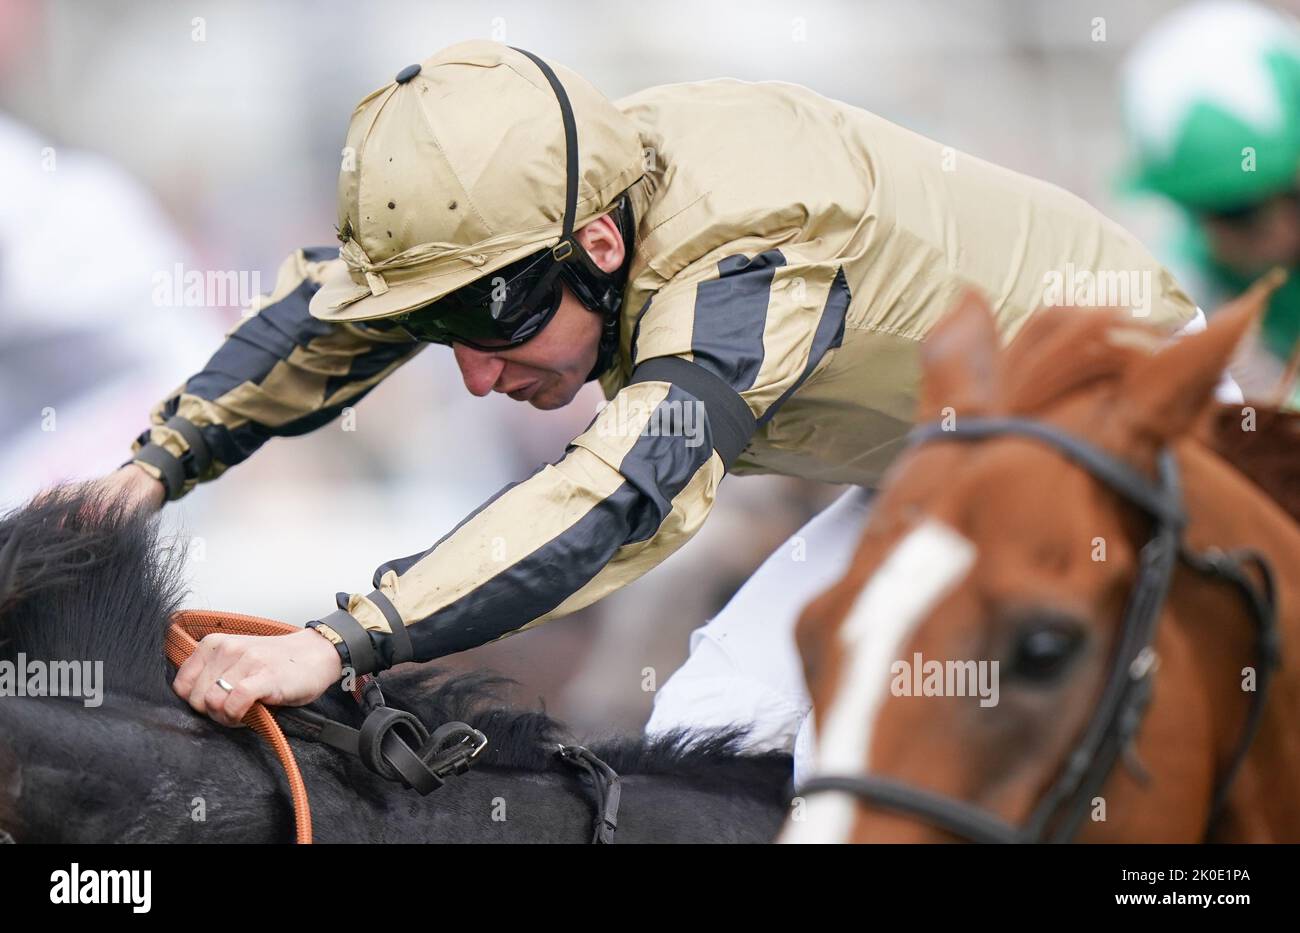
{"type": "Point", "coordinates": [1041, 653]}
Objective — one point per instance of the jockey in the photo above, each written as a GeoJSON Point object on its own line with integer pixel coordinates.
{"type": "Point", "coordinates": [752, 260]}
{"type": "Point", "coordinates": [1212, 105]}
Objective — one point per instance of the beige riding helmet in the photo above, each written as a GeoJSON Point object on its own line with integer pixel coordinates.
{"type": "Point", "coordinates": [458, 168]}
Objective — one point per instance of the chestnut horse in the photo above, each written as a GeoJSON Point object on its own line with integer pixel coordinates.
{"type": "Point", "coordinates": [1068, 617]}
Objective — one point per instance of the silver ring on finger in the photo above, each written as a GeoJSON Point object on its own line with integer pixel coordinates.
{"type": "Point", "coordinates": [225, 685]}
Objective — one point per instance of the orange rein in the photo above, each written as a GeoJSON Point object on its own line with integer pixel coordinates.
{"type": "Point", "coordinates": [188, 627]}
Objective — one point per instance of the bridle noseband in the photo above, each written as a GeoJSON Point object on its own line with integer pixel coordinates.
{"type": "Point", "coordinates": [1127, 691]}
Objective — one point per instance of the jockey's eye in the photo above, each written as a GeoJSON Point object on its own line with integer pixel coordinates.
{"type": "Point", "coordinates": [1044, 648]}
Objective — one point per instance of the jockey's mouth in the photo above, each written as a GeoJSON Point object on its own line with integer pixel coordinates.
{"type": "Point", "coordinates": [524, 392]}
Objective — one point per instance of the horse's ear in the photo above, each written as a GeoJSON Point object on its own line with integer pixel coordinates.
{"type": "Point", "coordinates": [959, 360]}
{"type": "Point", "coordinates": [1169, 391]}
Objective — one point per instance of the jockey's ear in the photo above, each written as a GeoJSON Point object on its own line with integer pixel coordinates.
{"type": "Point", "coordinates": [959, 361]}
{"type": "Point", "coordinates": [1165, 394]}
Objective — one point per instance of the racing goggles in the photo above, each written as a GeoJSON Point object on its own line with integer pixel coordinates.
{"type": "Point", "coordinates": [1246, 216]}
{"type": "Point", "coordinates": [503, 309]}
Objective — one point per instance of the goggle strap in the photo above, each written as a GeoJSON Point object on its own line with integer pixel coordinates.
{"type": "Point", "coordinates": [544, 285]}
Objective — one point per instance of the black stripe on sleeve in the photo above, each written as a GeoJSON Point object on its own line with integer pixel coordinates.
{"type": "Point", "coordinates": [252, 350]}
{"type": "Point", "coordinates": [731, 317]}
{"type": "Point", "coordinates": [828, 336]}
{"type": "Point", "coordinates": [656, 469]}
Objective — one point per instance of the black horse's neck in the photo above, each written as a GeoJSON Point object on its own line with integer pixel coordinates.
{"type": "Point", "coordinates": [90, 582]}
{"type": "Point", "coordinates": [133, 772]}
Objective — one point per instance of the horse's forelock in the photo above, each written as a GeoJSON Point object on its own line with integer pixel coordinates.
{"type": "Point", "coordinates": [84, 580]}
{"type": "Point", "coordinates": [1061, 351]}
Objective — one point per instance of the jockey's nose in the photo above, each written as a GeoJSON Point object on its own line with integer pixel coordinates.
{"type": "Point", "coordinates": [479, 370]}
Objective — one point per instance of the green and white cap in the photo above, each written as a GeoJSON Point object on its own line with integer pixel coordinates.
{"type": "Point", "coordinates": [1212, 105]}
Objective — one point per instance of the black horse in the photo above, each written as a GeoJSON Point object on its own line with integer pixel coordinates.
{"type": "Point", "coordinates": [86, 580]}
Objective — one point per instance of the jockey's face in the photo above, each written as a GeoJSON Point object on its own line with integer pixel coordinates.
{"type": "Point", "coordinates": [1253, 241]}
{"type": "Point", "coordinates": [549, 369]}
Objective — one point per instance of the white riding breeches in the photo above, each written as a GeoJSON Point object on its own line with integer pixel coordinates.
{"type": "Point", "coordinates": [744, 669]}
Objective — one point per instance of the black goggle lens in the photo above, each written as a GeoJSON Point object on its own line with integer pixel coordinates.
{"type": "Point", "coordinates": [504, 310]}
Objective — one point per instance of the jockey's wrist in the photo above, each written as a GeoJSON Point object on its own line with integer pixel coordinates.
{"type": "Point", "coordinates": [344, 629]}
{"type": "Point", "coordinates": [329, 657]}
{"type": "Point", "coordinates": [338, 644]}
{"type": "Point", "coordinates": [163, 466]}
{"type": "Point", "coordinates": [144, 484]}
{"type": "Point", "coordinates": [175, 453]}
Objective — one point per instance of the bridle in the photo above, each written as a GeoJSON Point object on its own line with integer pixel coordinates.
{"type": "Point", "coordinates": [390, 742]}
{"type": "Point", "coordinates": [1127, 691]}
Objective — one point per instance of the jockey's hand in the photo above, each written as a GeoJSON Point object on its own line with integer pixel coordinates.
{"type": "Point", "coordinates": [135, 485]}
{"type": "Point", "coordinates": [280, 670]}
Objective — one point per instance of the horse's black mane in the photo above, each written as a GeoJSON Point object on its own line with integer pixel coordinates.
{"type": "Point", "coordinates": [527, 738]}
{"type": "Point", "coordinates": [86, 578]}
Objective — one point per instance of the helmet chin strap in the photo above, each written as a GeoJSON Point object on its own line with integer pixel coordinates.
{"type": "Point", "coordinates": [589, 283]}
{"type": "Point", "coordinates": [607, 348]}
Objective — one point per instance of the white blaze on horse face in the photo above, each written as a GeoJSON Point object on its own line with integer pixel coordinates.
{"type": "Point", "coordinates": [922, 569]}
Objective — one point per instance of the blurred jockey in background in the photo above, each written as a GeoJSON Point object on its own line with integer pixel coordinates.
{"type": "Point", "coordinates": [1212, 107]}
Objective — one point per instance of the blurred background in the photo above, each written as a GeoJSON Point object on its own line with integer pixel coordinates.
{"type": "Point", "coordinates": [138, 135]}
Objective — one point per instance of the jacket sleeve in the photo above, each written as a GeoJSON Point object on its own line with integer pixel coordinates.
{"type": "Point", "coordinates": [279, 373]}
{"type": "Point", "coordinates": [629, 491]}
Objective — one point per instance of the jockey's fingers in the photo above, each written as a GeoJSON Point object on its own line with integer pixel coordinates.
{"type": "Point", "coordinates": [215, 656]}
{"type": "Point", "coordinates": [214, 705]}
{"type": "Point", "coordinates": [217, 651]}
{"type": "Point", "coordinates": [248, 690]}
{"type": "Point", "coordinates": [245, 678]}
{"type": "Point", "coordinates": [188, 673]}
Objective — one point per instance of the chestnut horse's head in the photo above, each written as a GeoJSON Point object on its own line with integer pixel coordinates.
{"type": "Point", "coordinates": [967, 647]}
